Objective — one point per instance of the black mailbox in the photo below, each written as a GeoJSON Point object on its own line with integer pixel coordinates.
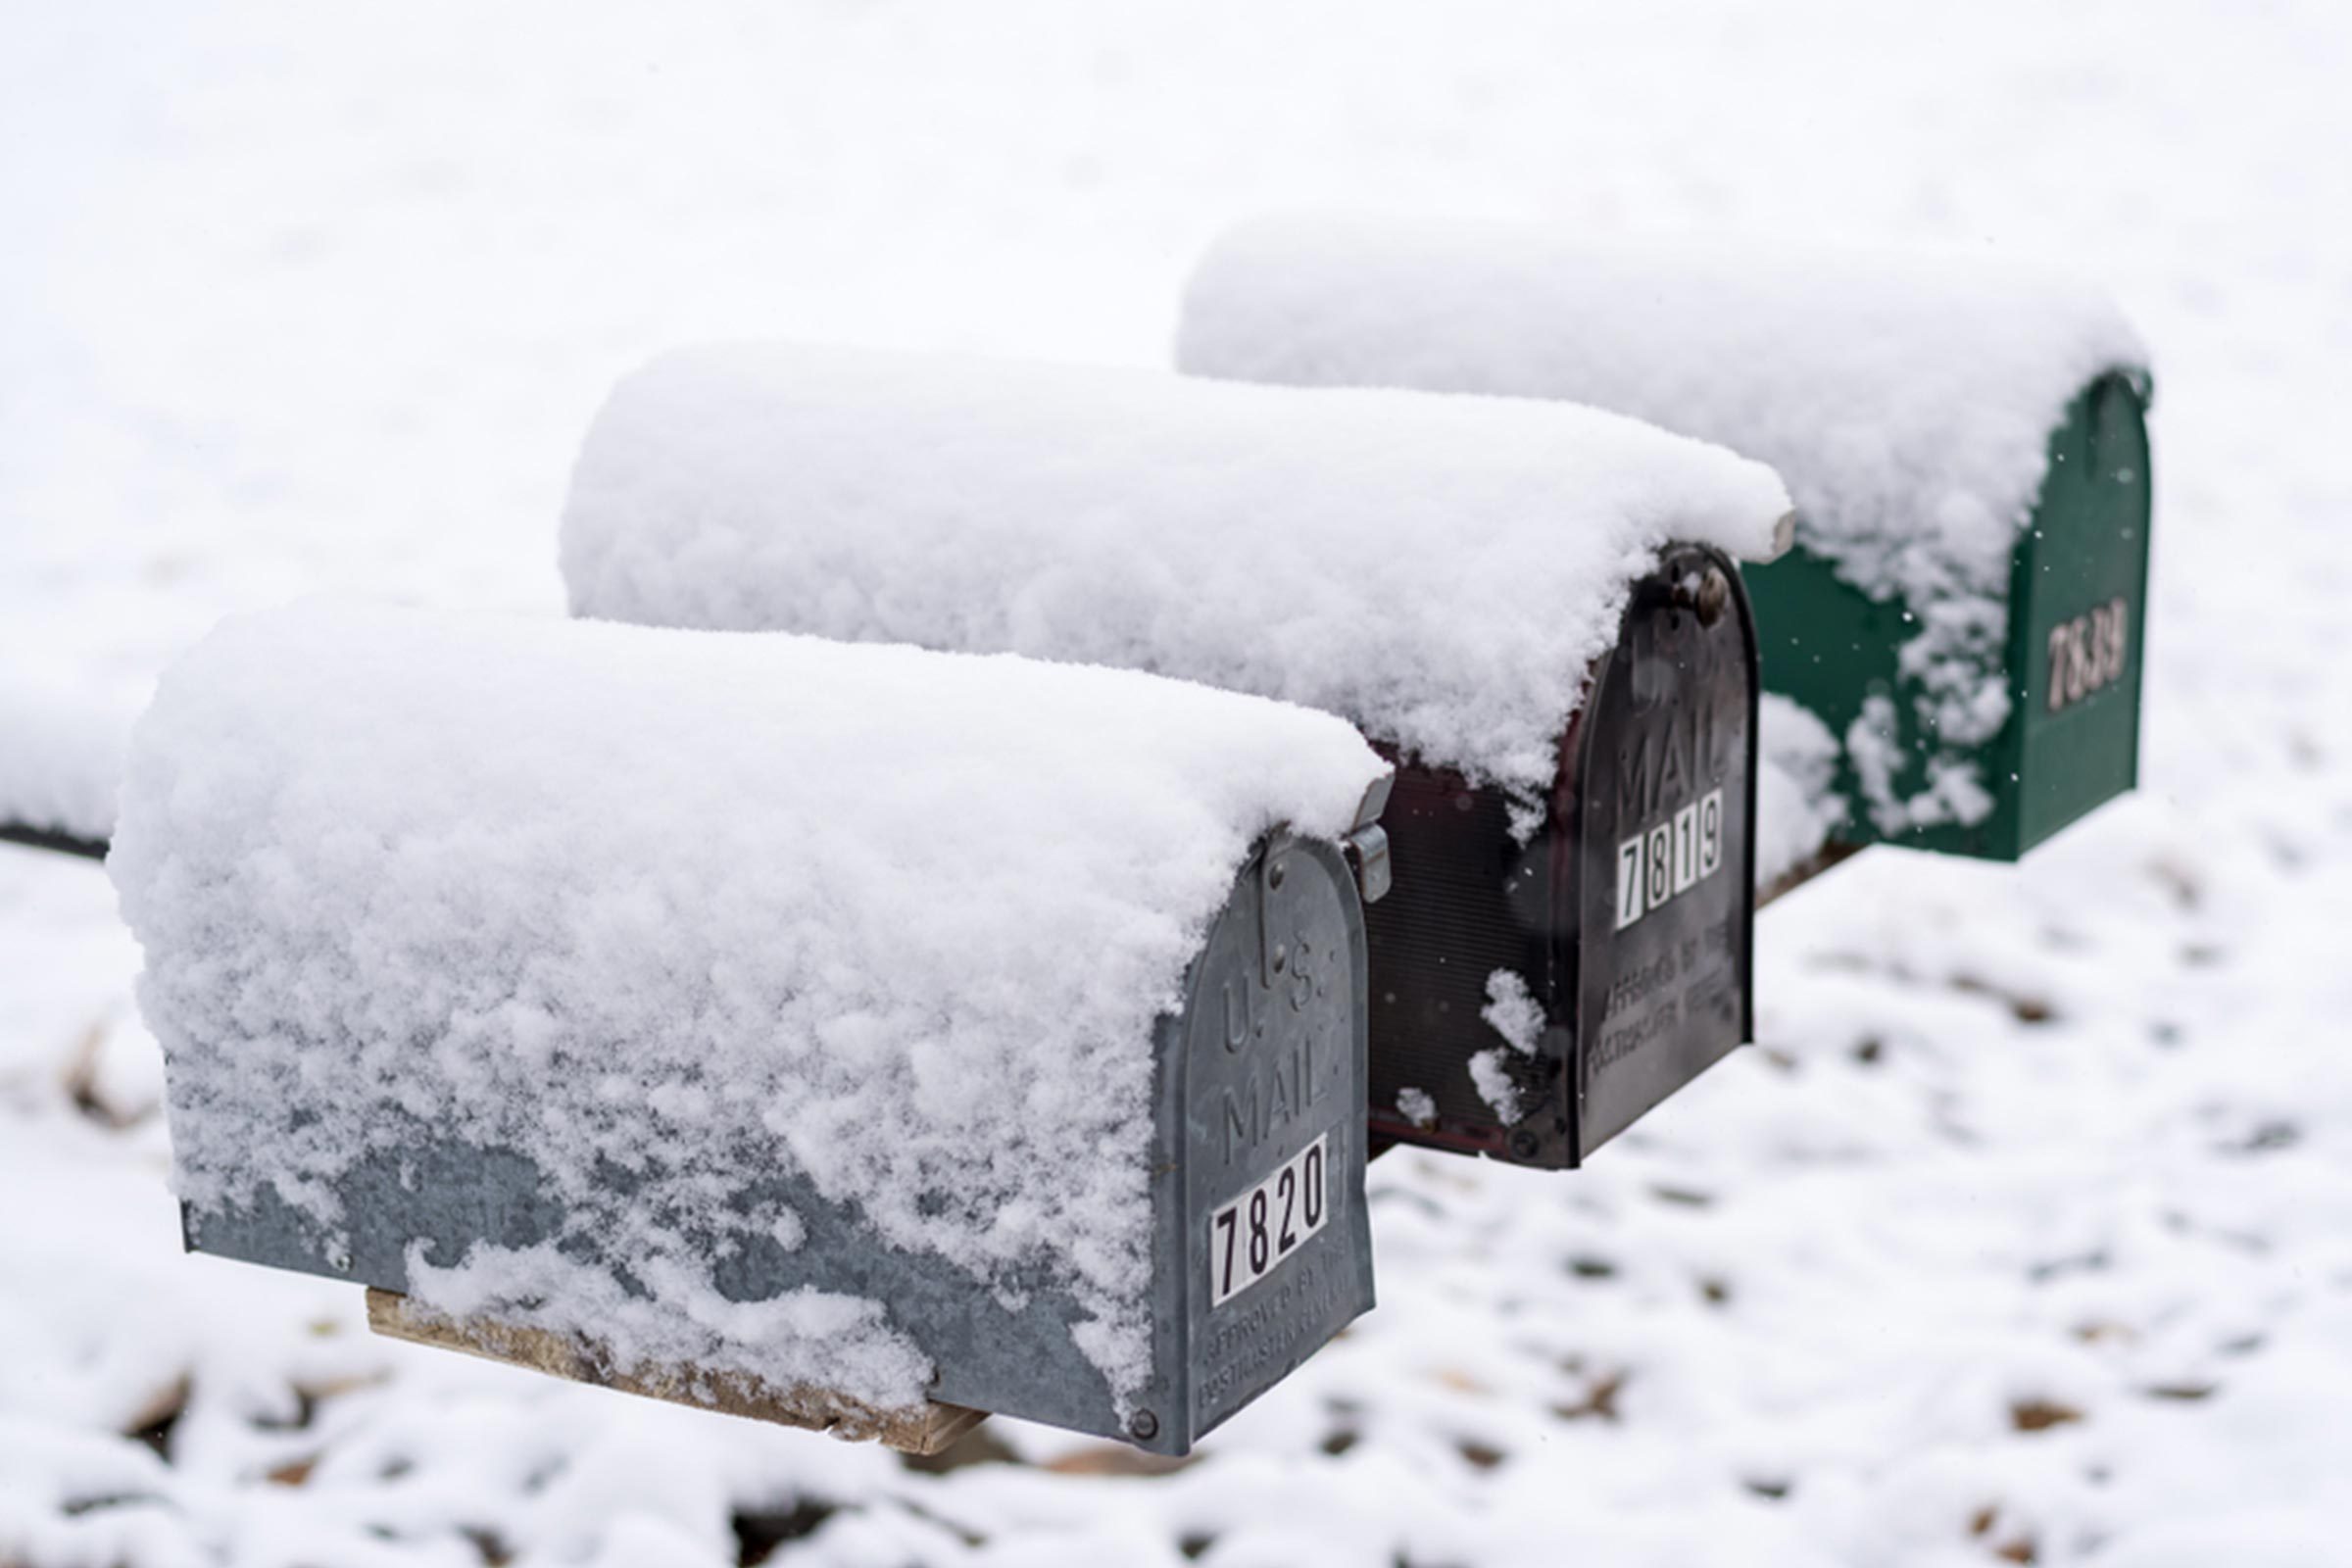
{"type": "Point", "coordinates": [1533, 995]}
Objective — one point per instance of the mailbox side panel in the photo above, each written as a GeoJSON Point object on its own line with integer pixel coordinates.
{"type": "Point", "coordinates": [1010, 1355]}
{"type": "Point", "coordinates": [1828, 647]}
{"type": "Point", "coordinates": [2078, 615]}
{"type": "Point", "coordinates": [1275, 1255]}
{"type": "Point", "coordinates": [1469, 902]}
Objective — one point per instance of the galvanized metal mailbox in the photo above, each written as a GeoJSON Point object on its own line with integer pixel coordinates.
{"type": "Point", "coordinates": [675, 1042]}
{"type": "Point", "coordinates": [1260, 1248]}
{"type": "Point", "coordinates": [1533, 995]}
{"type": "Point", "coordinates": [1966, 444]}
{"type": "Point", "coordinates": [1496, 591]}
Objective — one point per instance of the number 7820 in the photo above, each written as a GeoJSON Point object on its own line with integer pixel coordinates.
{"type": "Point", "coordinates": [1252, 1235]}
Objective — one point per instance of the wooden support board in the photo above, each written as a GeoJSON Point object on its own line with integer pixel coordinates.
{"type": "Point", "coordinates": [921, 1429]}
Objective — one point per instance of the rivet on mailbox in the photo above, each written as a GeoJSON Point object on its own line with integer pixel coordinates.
{"type": "Point", "coordinates": [852, 1036]}
{"type": "Point", "coordinates": [1534, 608]}
{"type": "Point", "coordinates": [1953, 647]}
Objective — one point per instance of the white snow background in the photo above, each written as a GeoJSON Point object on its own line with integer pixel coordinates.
{"type": "Point", "coordinates": [2025, 1234]}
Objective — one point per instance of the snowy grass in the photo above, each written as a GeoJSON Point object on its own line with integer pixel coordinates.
{"type": "Point", "coordinates": [2021, 1234]}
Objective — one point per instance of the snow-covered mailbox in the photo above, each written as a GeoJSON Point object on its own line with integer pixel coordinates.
{"type": "Point", "coordinates": [1532, 607]}
{"type": "Point", "coordinates": [850, 1037]}
{"type": "Point", "coordinates": [1962, 614]}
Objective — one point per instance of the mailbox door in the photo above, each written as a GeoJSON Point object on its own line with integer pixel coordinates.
{"type": "Point", "coordinates": [1275, 1248]}
{"type": "Point", "coordinates": [2077, 612]}
{"type": "Point", "coordinates": [1663, 857]}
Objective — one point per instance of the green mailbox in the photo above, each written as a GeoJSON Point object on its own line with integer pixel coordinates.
{"type": "Point", "coordinates": [2069, 657]}
{"type": "Point", "coordinates": [1964, 610]}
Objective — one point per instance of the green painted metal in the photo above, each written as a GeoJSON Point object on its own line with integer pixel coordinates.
{"type": "Point", "coordinates": [2077, 618]}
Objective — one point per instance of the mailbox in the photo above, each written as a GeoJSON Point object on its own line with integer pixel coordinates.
{"type": "Point", "coordinates": [1965, 605]}
{"type": "Point", "coordinates": [1531, 996]}
{"type": "Point", "coordinates": [690, 1093]}
{"type": "Point", "coordinates": [1535, 609]}
{"type": "Point", "coordinates": [2066, 643]}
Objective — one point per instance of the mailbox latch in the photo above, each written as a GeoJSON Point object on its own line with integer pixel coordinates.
{"type": "Point", "coordinates": [1367, 849]}
{"type": "Point", "coordinates": [1367, 844]}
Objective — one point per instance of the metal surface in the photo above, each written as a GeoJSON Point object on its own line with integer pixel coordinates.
{"type": "Point", "coordinates": [2088, 550]}
{"type": "Point", "coordinates": [1831, 647]}
{"type": "Point", "coordinates": [1368, 856]}
{"type": "Point", "coordinates": [1271, 1069]}
{"type": "Point", "coordinates": [1630, 1011]}
{"type": "Point", "coordinates": [1264, 1059]}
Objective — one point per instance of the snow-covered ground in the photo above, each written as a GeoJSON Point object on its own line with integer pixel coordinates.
{"type": "Point", "coordinates": [2024, 1235]}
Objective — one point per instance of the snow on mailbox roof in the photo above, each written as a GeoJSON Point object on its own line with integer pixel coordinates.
{"type": "Point", "coordinates": [1440, 571]}
{"type": "Point", "coordinates": [610, 897]}
{"type": "Point", "coordinates": [1907, 400]}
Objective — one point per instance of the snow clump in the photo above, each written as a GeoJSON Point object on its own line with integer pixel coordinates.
{"type": "Point", "coordinates": [1442, 571]}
